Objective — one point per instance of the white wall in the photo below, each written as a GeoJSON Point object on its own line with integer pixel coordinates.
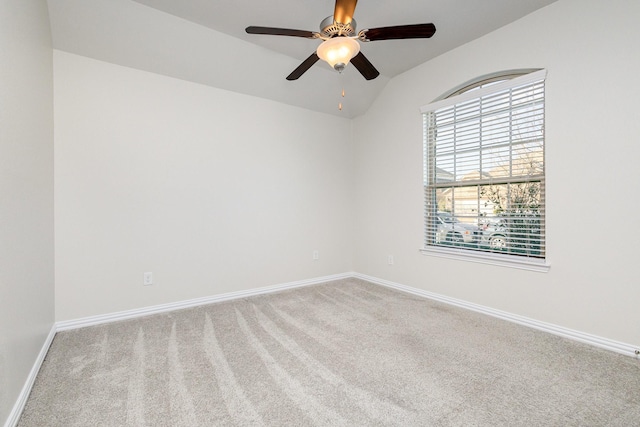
{"type": "Point", "coordinates": [211, 191]}
{"type": "Point", "coordinates": [590, 49]}
{"type": "Point", "coordinates": [26, 192]}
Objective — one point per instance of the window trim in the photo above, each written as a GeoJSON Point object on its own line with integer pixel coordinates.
{"type": "Point", "coordinates": [461, 94]}
{"type": "Point", "coordinates": [502, 260]}
{"type": "Point", "coordinates": [487, 78]}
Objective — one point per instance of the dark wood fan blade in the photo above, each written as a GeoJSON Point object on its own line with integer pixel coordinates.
{"type": "Point", "coordinates": [365, 67]}
{"type": "Point", "coordinates": [343, 12]}
{"type": "Point", "coordinates": [302, 68]}
{"type": "Point", "coordinates": [280, 32]}
{"type": "Point", "coordinates": [416, 31]}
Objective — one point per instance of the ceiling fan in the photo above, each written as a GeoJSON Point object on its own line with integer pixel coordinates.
{"type": "Point", "coordinates": [340, 40]}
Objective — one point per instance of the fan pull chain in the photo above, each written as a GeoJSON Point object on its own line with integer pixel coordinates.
{"type": "Point", "coordinates": [341, 84]}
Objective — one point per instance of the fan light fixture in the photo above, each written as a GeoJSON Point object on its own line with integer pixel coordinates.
{"type": "Point", "coordinates": [338, 51]}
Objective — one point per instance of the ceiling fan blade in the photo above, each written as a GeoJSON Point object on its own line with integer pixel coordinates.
{"type": "Point", "coordinates": [280, 32]}
{"type": "Point", "coordinates": [365, 67]}
{"type": "Point", "coordinates": [416, 31]}
{"type": "Point", "coordinates": [302, 68]}
{"type": "Point", "coordinates": [343, 12]}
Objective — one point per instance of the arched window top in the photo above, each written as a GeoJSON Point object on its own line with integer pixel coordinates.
{"type": "Point", "coordinates": [486, 80]}
{"type": "Point", "coordinates": [484, 174]}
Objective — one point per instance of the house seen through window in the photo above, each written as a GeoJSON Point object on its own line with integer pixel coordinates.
{"type": "Point", "coordinates": [484, 173]}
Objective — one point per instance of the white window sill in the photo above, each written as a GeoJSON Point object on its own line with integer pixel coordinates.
{"type": "Point", "coordinates": [512, 261]}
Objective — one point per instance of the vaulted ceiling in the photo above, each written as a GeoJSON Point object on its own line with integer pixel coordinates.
{"type": "Point", "coordinates": [204, 41]}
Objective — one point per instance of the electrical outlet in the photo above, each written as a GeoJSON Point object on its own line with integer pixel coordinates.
{"type": "Point", "coordinates": [316, 255]}
{"type": "Point", "coordinates": [148, 279]}
{"type": "Point", "coordinates": [390, 260]}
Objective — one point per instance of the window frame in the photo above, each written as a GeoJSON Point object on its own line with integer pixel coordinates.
{"type": "Point", "coordinates": [468, 92]}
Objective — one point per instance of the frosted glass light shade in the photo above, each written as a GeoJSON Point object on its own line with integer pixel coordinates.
{"type": "Point", "coordinates": [338, 51]}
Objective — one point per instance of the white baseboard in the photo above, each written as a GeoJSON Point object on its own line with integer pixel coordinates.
{"type": "Point", "coordinates": [596, 341]}
{"type": "Point", "coordinates": [145, 311]}
{"type": "Point", "coordinates": [14, 416]}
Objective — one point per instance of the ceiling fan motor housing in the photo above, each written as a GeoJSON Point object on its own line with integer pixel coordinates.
{"type": "Point", "coordinates": [330, 28]}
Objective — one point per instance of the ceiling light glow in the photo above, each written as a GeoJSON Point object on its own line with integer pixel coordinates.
{"type": "Point", "coordinates": [338, 51]}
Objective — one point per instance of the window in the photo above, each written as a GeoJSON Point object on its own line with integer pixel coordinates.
{"type": "Point", "coordinates": [484, 173]}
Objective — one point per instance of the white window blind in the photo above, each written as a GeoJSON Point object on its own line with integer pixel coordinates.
{"type": "Point", "coordinates": [484, 174]}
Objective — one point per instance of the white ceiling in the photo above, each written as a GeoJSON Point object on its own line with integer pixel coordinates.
{"type": "Point", "coordinates": [204, 41]}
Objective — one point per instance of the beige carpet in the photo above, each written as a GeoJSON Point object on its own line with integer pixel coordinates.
{"type": "Point", "coordinates": [345, 353]}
